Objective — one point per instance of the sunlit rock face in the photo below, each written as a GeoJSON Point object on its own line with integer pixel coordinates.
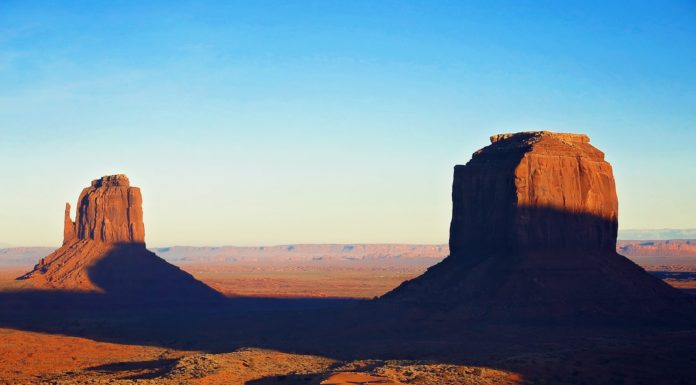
{"type": "Point", "coordinates": [534, 191]}
{"type": "Point", "coordinates": [68, 226]}
{"type": "Point", "coordinates": [109, 210]}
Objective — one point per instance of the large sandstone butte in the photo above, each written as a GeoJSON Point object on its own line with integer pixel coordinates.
{"type": "Point", "coordinates": [533, 235]}
{"type": "Point", "coordinates": [104, 251]}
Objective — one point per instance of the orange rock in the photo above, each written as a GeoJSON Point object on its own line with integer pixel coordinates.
{"type": "Point", "coordinates": [110, 211]}
{"type": "Point", "coordinates": [69, 226]}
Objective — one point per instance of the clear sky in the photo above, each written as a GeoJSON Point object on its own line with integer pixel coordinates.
{"type": "Point", "coordinates": [270, 122]}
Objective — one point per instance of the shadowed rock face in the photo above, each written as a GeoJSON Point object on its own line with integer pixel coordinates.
{"type": "Point", "coordinates": [104, 251]}
{"type": "Point", "coordinates": [533, 235]}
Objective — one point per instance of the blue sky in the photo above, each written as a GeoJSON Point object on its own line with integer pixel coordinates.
{"type": "Point", "coordinates": [267, 122]}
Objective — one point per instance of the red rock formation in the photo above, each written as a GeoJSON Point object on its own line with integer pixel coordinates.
{"type": "Point", "coordinates": [110, 211]}
{"type": "Point", "coordinates": [68, 226]}
{"type": "Point", "coordinates": [533, 235]}
{"type": "Point", "coordinates": [104, 251]}
{"type": "Point", "coordinates": [534, 191]}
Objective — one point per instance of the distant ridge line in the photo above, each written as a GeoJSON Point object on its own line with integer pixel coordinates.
{"type": "Point", "coordinates": [381, 253]}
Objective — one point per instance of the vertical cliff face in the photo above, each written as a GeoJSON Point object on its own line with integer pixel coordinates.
{"type": "Point", "coordinates": [110, 210]}
{"type": "Point", "coordinates": [533, 235]}
{"type": "Point", "coordinates": [534, 191]}
{"type": "Point", "coordinates": [103, 251]}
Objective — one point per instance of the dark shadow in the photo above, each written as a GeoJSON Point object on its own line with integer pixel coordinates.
{"type": "Point", "coordinates": [135, 274]}
{"type": "Point", "coordinates": [290, 379]}
{"type": "Point", "coordinates": [151, 369]}
{"type": "Point", "coordinates": [676, 275]}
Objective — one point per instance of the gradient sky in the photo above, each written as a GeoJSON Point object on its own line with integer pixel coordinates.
{"type": "Point", "coordinates": [271, 122]}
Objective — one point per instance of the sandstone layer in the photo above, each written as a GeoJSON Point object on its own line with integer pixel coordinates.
{"type": "Point", "coordinates": [104, 251]}
{"type": "Point", "coordinates": [533, 235]}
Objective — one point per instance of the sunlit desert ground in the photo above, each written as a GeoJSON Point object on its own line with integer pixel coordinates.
{"type": "Point", "coordinates": [301, 281]}
{"type": "Point", "coordinates": [70, 360]}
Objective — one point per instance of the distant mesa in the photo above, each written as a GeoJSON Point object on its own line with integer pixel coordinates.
{"type": "Point", "coordinates": [660, 249]}
{"type": "Point", "coordinates": [533, 235]}
{"type": "Point", "coordinates": [657, 234]}
{"type": "Point", "coordinates": [104, 251]}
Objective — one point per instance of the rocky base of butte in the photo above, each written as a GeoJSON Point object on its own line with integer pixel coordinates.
{"type": "Point", "coordinates": [533, 236]}
{"type": "Point", "coordinates": [104, 251]}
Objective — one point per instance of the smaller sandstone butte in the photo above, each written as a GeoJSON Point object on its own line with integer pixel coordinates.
{"type": "Point", "coordinates": [104, 251]}
{"type": "Point", "coordinates": [533, 236]}
{"type": "Point", "coordinates": [109, 210]}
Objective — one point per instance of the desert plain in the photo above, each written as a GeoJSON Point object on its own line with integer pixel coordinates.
{"type": "Point", "coordinates": [72, 353]}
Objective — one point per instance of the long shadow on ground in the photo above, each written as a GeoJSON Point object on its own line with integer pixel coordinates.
{"type": "Point", "coordinates": [346, 330]}
{"type": "Point", "coordinates": [338, 328]}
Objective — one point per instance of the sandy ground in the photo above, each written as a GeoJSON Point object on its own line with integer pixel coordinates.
{"type": "Point", "coordinates": [8, 275]}
{"type": "Point", "coordinates": [56, 359]}
{"type": "Point", "coordinates": [301, 281]}
{"type": "Point", "coordinates": [38, 358]}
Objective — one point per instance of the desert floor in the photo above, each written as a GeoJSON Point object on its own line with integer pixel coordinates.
{"type": "Point", "coordinates": [276, 329]}
{"type": "Point", "coordinates": [303, 281]}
